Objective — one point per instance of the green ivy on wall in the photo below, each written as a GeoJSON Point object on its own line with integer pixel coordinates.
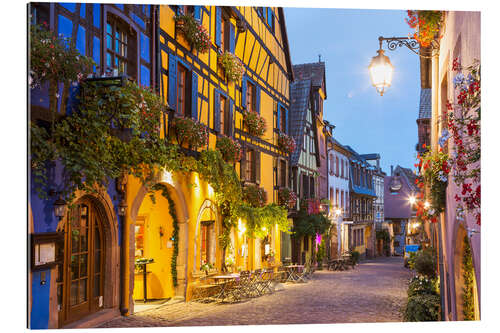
{"type": "Point", "coordinates": [175, 221]}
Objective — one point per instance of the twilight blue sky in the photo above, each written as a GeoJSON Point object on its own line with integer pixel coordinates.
{"type": "Point", "coordinates": [347, 40]}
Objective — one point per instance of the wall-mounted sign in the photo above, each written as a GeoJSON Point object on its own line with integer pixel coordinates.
{"type": "Point", "coordinates": [45, 250]}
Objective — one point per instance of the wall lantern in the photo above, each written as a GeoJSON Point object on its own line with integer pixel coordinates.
{"type": "Point", "coordinates": [381, 71]}
{"type": "Point", "coordinates": [122, 208]}
{"type": "Point", "coordinates": [59, 208]}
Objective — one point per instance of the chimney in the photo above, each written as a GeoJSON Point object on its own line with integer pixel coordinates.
{"type": "Point", "coordinates": [392, 170]}
{"type": "Point", "coordinates": [378, 164]}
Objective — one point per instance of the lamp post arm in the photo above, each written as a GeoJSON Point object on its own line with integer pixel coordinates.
{"type": "Point", "coordinates": [411, 43]}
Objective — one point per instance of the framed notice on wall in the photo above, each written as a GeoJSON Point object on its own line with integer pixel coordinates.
{"type": "Point", "coordinates": [45, 249]}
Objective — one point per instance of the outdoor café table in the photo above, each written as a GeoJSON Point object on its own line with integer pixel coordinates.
{"type": "Point", "coordinates": [292, 272]}
{"type": "Point", "coordinates": [223, 280]}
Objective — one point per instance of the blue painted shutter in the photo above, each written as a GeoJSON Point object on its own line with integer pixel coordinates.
{"type": "Point", "coordinates": [244, 93]}
{"type": "Point", "coordinates": [172, 81]}
{"type": "Point", "coordinates": [231, 38]}
{"type": "Point", "coordinates": [230, 118]}
{"type": "Point", "coordinates": [218, 20]}
{"type": "Point", "coordinates": [197, 12]}
{"type": "Point", "coordinates": [194, 96]}
{"type": "Point", "coordinates": [286, 120]}
{"type": "Point", "coordinates": [279, 118]}
{"type": "Point", "coordinates": [257, 99]}
{"type": "Point", "coordinates": [217, 111]}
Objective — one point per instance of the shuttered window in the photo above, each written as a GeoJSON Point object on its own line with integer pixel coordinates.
{"type": "Point", "coordinates": [181, 90]}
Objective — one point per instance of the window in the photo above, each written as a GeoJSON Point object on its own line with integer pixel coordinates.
{"type": "Point", "coordinates": [223, 115]}
{"type": "Point", "coordinates": [342, 173]}
{"type": "Point", "coordinates": [139, 237]}
{"type": "Point", "coordinates": [182, 91]}
{"type": "Point", "coordinates": [337, 166]}
{"type": "Point", "coordinates": [39, 13]}
{"type": "Point", "coordinates": [207, 230]}
{"type": "Point", "coordinates": [250, 165]}
{"type": "Point", "coordinates": [331, 196]}
{"type": "Point", "coordinates": [251, 101]}
{"type": "Point", "coordinates": [342, 198]}
{"type": "Point", "coordinates": [331, 165]}
{"type": "Point", "coordinates": [337, 197]}
{"type": "Point", "coordinates": [282, 119]}
{"type": "Point", "coordinates": [311, 188]}
{"type": "Point", "coordinates": [283, 169]}
{"type": "Point", "coordinates": [117, 47]}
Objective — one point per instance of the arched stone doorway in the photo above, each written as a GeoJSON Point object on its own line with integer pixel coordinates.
{"type": "Point", "coordinates": [87, 280]}
{"type": "Point", "coordinates": [151, 239]}
{"type": "Point", "coordinates": [206, 244]}
{"type": "Point", "coordinates": [459, 281]}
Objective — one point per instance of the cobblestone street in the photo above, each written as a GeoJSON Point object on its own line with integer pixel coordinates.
{"type": "Point", "coordinates": [375, 291]}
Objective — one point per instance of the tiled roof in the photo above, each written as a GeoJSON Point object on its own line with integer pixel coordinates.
{"type": "Point", "coordinates": [299, 95]}
{"type": "Point", "coordinates": [314, 72]}
{"type": "Point", "coordinates": [372, 156]}
{"type": "Point", "coordinates": [425, 109]}
{"type": "Point", "coordinates": [410, 177]}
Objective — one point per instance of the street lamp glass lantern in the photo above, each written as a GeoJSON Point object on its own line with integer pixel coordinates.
{"type": "Point", "coordinates": [381, 71]}
{"type": "Point", "coordinates": [59, 208]}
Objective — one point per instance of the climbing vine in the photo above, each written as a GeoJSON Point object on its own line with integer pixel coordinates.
{"type": "Point", "coordinates": [175, 222]}
{"type": "Point", "coordinates": [468, 276]}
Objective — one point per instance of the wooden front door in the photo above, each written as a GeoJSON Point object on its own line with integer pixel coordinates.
{"type": "Point", "coordinates": [83, 263]}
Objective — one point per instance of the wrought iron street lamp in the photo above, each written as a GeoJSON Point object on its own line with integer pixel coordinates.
{"type": "Point", "coordinates": [380, 67]}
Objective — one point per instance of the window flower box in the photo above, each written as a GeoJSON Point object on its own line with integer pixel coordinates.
{"type": "Point", "coordinates": [287, 197]}
{"type": "Point", "coordinates": [232, 66]}
{"type": "Point", "coordinates": [230, 149]}
{"type": "Point", "coordinates": [286, 143]}
{"type": "Point", "coordinates": [254, 195]}
{"type": "Point", "coordinates": [189, 132]}
{"type": "Point", "coordinates": [255, 124]}
{"type": "Point", "coordinates": [195, 34]}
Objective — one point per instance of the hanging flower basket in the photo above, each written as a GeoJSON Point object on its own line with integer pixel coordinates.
{"type": "Point", "coordinates": [287, 198]}
{"type": "Point", "coordinates": [255, 124]}
{"type": "Point", "coordinates": [286, 143]}
{"type": "Point", "coordinates": [232, 66]}
{"type": "Point", "coordinates": [426, 24]}
{"type": "Point", "coordinates": [230, 149]}
{"type": "Point", "coordinates": [195, 34]}
{"type": "Point", "coordinates": [189, 132]}
{"type": "Point", "coordinates": [434, 168]}
{"type": "Point", "coordinates": [254, 195]}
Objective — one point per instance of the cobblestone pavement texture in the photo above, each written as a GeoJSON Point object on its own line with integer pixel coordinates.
{"type": "Point", "coordinates": [374, 291]}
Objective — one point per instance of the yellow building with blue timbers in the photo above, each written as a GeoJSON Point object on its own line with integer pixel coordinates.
{"type": "Point", "coordinates": [178, 233]}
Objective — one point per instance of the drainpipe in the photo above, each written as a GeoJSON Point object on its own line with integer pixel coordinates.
{"type": "Point", "coordinates": [121, 186]}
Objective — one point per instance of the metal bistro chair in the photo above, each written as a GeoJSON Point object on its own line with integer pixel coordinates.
{"type": "Point", "coordinates": [257, 282]}
{"type": "Point", "coordinates": [204, 291]}
{"type": "Point", "coordinates": [267, 281]}
{"type": "Point", "coordinates": [245, 284]}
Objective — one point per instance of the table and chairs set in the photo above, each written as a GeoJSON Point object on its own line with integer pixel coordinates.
{"type": "Point", "coordinates": [234, 287]}
{"type": "Point", "coordinates": [341, 264]}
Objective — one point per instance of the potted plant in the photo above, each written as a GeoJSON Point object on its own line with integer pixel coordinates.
{"type": "Point", "coordinates": [206, 267]}
{"type": "Point", "coordinates": [426, 24]}
{"type": "Point", "coordinates": [286, 143]}
{"type": "Point", "coordinates": [255, 124]}
{"type": "Point", "coordinates": [232, 66]}
{"type": "Point", "coordinates": [195, 34]}
{"type": "Point", "coordinates": [230, 149]}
